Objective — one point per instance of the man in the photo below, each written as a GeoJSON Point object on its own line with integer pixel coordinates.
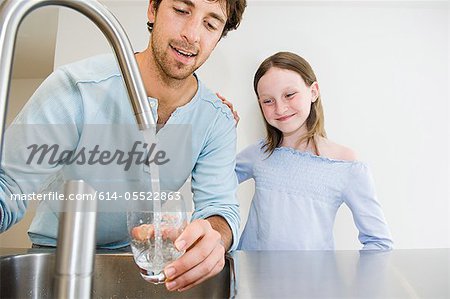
{"type": "Point", "coordinates": [184, 33]}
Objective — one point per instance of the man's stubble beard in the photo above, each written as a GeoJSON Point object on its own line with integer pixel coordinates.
{"type": "Point", "coordinates": [165, 66]}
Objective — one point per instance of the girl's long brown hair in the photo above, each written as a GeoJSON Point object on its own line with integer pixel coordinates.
{"type": "Point", "coordinates": [315, 121]}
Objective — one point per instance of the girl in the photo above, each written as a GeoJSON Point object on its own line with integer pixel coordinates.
{"type": "Point", "coordinates": [301, 177]}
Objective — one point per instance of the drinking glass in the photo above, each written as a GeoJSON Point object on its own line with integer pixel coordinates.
{"type": "Point", "coordinates": [154, 248]}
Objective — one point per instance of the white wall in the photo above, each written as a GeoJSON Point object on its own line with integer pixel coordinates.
{"type": "Point", "coordinates": [383, 68]}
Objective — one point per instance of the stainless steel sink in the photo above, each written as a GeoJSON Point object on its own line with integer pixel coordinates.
{"type": "Point", "coordinates": [116, 276]}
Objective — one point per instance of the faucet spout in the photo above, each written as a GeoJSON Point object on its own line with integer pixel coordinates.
{"type": "Point", "coordinates": [12, 12]}
{"type": "Point", "coordinates": [74, 258]}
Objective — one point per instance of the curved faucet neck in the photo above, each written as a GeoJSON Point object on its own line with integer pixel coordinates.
{"type": "Point", "coordinates": [12, 12]}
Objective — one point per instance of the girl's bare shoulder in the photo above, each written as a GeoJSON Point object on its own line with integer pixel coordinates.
{"type": "Point", "coordinates": [332, 150]}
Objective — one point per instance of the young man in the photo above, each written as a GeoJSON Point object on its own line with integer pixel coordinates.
{"type": "Point", "coordinates": [184, 33]}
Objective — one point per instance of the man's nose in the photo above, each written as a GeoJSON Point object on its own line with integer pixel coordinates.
{"type": "Point", "coordinates": [191, 30]}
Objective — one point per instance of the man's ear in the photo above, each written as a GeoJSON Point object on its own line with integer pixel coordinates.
{"type": "Point", "coordinates": [151, 11]}
{"type": "Point", "coordinates": [315, 91]}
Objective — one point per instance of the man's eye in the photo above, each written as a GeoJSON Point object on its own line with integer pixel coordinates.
{"type": "Point", "coordinates": [180, 11]}
{"type": "Point", "coordinates": [210, 26]}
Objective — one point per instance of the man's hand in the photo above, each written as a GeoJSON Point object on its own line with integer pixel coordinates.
{"type": "Point", "coordinates": [205, 253]}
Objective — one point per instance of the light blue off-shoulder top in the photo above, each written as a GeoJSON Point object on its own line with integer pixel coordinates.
{"type": "Point", "coordinates": [297, 196]}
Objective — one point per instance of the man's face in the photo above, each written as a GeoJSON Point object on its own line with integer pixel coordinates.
{"type": "Point", "coordinates": [184, 34]}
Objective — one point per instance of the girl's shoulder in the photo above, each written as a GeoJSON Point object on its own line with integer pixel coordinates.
{"type": "Point", "coordinates": [253, 150]}
{"type": "Point", "coordinates": [334, 151]}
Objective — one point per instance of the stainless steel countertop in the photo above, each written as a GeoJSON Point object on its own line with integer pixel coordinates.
{"type": "Point", "coordinates": [344, 274]}
{"type": "Point", "coordinates": [411, 273]}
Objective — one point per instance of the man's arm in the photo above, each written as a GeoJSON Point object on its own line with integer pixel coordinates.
{"type": "Point", "coordinates": [51, 116]}
{"type": "Point", "coordinates": [220, 225]}
{"type": "Point", "coordinates": [214, 229]}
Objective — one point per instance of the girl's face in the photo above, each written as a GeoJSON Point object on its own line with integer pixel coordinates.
{"type": "Point", "coordinates": [286, 100]}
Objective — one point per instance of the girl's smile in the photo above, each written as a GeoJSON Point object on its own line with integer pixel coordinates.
{"type": "Point", "coordinates": [285, 118]}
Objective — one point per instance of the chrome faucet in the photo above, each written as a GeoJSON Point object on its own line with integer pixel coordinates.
{"type": "Point", "coordinates": [74, 258]}
{"type": "Point", "coordinates": [12, 12]}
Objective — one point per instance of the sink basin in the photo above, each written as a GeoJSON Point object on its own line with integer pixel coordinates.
{"type": "Point", "coordinates": [116, 276]}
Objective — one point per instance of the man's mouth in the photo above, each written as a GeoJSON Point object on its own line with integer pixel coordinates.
{"type": "Point", "coordinates": [184, 52]}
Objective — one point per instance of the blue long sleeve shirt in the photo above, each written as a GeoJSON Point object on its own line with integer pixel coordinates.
{"type": "Point", "coordinates": [297, 196]}
{"type": "Point", "coordinates": [91, 92]}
